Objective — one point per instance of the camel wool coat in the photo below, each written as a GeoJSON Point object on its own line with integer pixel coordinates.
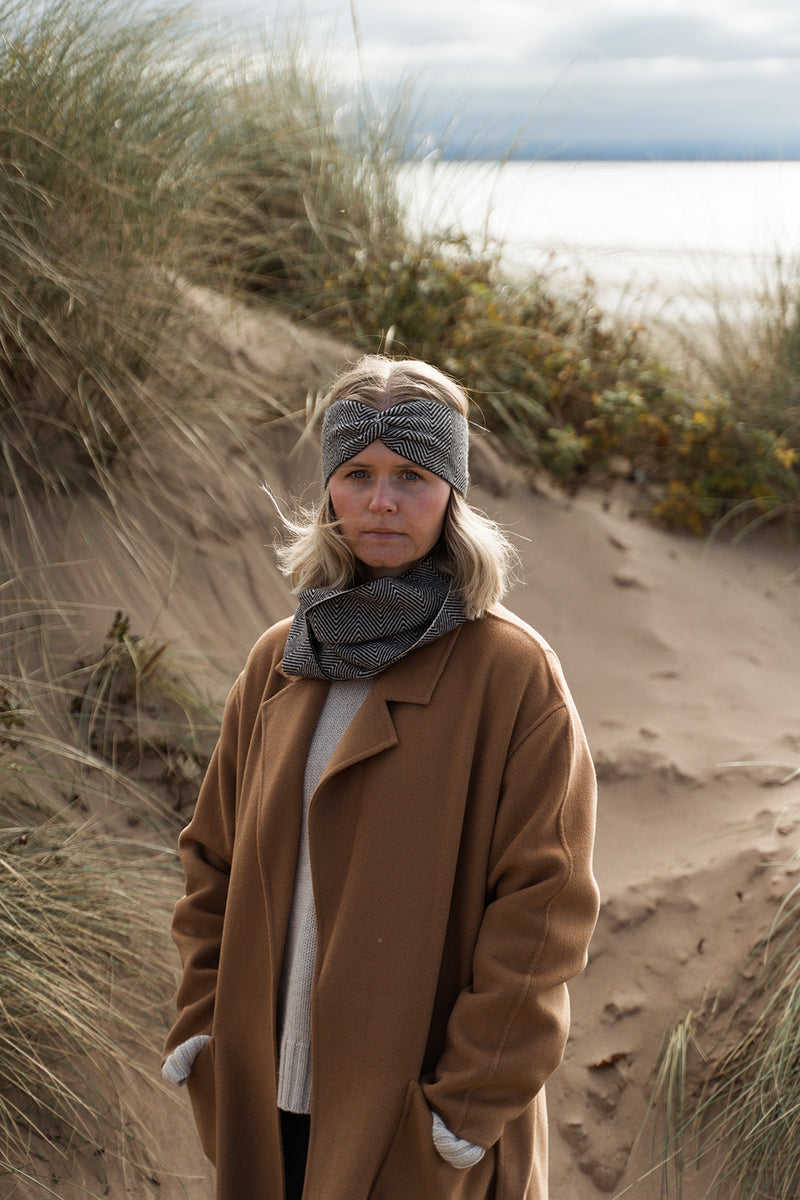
{"type": "Point", "coordinates": [450, 843]}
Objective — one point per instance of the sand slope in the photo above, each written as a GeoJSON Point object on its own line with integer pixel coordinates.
{"type": "Point", "coordinates": [683, 658]}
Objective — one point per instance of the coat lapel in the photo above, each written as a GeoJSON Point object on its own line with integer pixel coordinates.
{"type": "Point", "coordinates": [411, 680]}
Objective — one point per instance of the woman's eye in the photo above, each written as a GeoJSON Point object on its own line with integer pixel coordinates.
{"type": "Point", "coordinates": [409, 474]}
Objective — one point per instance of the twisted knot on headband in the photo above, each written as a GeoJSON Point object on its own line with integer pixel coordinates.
{"type": "Point", "coordinates": [426, 432]}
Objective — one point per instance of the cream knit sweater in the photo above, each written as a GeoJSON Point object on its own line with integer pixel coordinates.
{"type": "Point", "coordinates": [294, 996]}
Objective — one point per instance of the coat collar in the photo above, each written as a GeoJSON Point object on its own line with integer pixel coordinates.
{"type": "Point", "coordinates": [412, 678]}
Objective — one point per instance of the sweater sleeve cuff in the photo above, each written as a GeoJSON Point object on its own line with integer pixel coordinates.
{"type": "Point", "coordinates": [457, 1151]}
{"type": "Point", "coordinates": [178, 1065]}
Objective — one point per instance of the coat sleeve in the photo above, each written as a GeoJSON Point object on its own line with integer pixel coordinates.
{"type": "Point", "coordinates": [206, 851]}
{"type": "Point", "coordinates": [507, 1031]}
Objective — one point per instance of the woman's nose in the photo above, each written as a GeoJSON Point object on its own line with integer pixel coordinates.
{"type": "Point", "coordinates": [382, 498]}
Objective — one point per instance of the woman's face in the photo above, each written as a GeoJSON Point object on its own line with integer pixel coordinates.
{"type": "Point", "coordinates": [391, 510]}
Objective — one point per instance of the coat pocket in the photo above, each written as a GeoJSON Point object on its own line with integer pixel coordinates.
{"type": "Point", "coordinates": [413, 1167]}
{"type": "Point", "coordinates": [202, 1090]}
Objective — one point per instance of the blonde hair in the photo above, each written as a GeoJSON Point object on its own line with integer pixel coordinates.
{"type": "Point", "coordinates": [382, 382]}
{"type": "Point", "coordinates": [472, 548]}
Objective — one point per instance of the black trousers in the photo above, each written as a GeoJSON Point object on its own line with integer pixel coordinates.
{"type": "Point", "coordinates": [295, 1128]}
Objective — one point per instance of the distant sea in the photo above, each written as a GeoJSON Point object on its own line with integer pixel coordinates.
{"type": "Point", "coordinates": [667, 239]}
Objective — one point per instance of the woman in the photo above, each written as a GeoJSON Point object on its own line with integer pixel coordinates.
{"type": "Point", "coordinates": [388, 871]}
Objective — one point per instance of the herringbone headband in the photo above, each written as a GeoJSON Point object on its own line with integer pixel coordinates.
{"type": "Point", "coordinates": [426, 432]}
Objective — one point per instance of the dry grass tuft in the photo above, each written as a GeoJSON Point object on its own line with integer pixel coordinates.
{"type": "Point", "coordinates": [729, 1088]}
{"type": "Point", "coordinates": [86, 888]}
{"type": "Point", "coordinates": [81, 965]}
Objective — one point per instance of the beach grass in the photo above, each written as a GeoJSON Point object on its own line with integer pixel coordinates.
{"type": "Point", "coordinates": [754, 368]}
{"type": "Point", "coordinates": [110, 150]}
{"type": "Point", "coordinates": [105, 373]}
{"type": "Point", "coordinates": [298, 183]}
{"type": "Point", "coordinates": [96, 758]}
{"type": "Point", "coordinates": [93, 133]}
{"type": "Point", "coordinates": [81, 960]}
{"type": "Point", "coordinates": [728, 1086]}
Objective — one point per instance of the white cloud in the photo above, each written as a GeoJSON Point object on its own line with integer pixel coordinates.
{"type": "Point", "coordinates": [614, 65]}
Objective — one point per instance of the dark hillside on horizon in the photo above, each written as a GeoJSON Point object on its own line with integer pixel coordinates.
{"type": "Point", "coordinates": [498, 150]}
{"type": "Point", "coordinates": [497, 124]}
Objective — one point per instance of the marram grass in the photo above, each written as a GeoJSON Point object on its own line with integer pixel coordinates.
{"type": "Point", "coordinates": [138, 708]}
{"type": "Point", "coordinates": [110, 148]}
{"type": "Point", "coordinates": [82, 964]}
{"type": "Point", "coordinates": [85, 958]}
{"type": "Point", "coordinates": [93, 132]}
{"type": "Point", "coordinates": [298, 184]}
{"type": "Point", "coordinates": [738, 1113]}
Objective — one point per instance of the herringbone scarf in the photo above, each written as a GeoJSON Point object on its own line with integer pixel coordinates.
{"type": "Point", "coordinates": [356, 632]}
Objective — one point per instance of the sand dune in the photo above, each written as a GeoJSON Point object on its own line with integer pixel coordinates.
{"type": "Point", "coordinates": [684, 658]}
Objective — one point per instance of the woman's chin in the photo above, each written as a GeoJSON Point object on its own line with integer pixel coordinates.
{"type": "Point", "coordinates": [383, 571]}
{"type": "Point", "coordinates": [378, 566]}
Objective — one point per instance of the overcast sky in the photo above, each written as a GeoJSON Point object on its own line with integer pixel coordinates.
{"type": "Point", "coordinates": [578, 78]}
